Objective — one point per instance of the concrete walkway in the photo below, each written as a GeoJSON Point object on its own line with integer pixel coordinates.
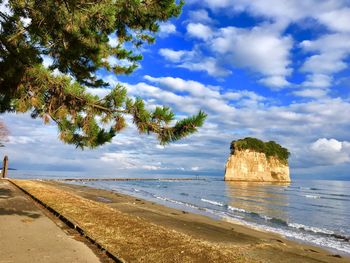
{"type": "Point", "coordinates": [27, 235]}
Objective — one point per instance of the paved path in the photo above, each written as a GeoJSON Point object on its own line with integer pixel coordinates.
{"type": "Point", "coordinates": [27, 235]}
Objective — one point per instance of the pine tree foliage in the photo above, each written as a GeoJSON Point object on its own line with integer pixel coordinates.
{"type": "Point", "coordinates": [75, 34]}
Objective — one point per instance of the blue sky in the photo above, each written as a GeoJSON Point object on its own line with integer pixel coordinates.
{"type": "Point", "coordinates": [276, 70]}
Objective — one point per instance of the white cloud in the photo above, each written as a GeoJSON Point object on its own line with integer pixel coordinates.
{"type": "Point", "coordinates": [100, 92]}
{"type": "Point", "coordinates": [198, 30]}
{"type": "Point", "coordinates": [326, 63]}
{"type": "Point", "coordinates": [26, 21]}
{"type": "Point", "coordinates": [325, 146]}
{"type": "Point", "coordinates": [194, 61]}
{"type": "Point", "coordinates": [4, 7]}
{"type": "Point", "coordinates": [166, 29]}
{"type": "Point", "coordinates": [113, 61]}
{"type": "Point", "coordinates": [331, 52]}
{"type": "Point", "coordinates": [200, 15]}
{"type": "Point", "coordinates": [47, 61]}
{"type": "Point", "coordinates": [331, 151]}
{"type": "Point", "coordinates": [327, 55]}
{"type": "Point", "coordinates": [20, 139]}
{"type": "Point", "coordinates": [317, 81]}
{"type": "Point", "coordinates": [197, 96]}
{"type": "Point", "coordinates": [311, 93]}
{"type": "Point", "coordinates": [259, 49]}
{"type": "Point", "coordinates": [191, 87]}
{"type": "Point", "coordinates": [206, 64]}
{"type": "Point", "coordinates": [173, 55]}
{"type": "Point", "coordinates": [334, 14]}
{"type": "Point", "coordinates": [113, 40]}
{"type": "Point", "coordinates": [337, 19]}
{"type": "Point", "coordinates": [275, 82]}
{"type": "Point", "coordinates": [206, 97]}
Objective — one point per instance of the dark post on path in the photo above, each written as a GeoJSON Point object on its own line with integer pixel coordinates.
{"type": "Point", "coordinates": [5, 167]}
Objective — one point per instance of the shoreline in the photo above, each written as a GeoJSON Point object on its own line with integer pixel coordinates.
{"type": "Point", "coordinates": [178, 205]}
{"type": "Point", "coordinates": [220, 232]}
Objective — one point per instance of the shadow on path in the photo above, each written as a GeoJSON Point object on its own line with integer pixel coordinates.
{"type": "Point", "coordinates": [5, 193]}
{"type": "Point", "coordinates": [8, 212]}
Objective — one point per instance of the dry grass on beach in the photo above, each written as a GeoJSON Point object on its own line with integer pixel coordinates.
{"type": "Point", "coordinates": [131, 238]}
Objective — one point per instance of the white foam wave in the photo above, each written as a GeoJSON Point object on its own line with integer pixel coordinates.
{"type": "Point", "coordinates": [311, 229]}
{"type": "Point", "coordinates": [313, 196]}
{"type": "Point", "coordinates": [212, 202]}
{"type": "Point", "coordinates": [323, 241]}
{"type": "Point", "coordinates": [237, 209]}
{"type": "Point", "coordinates": [175, 202]}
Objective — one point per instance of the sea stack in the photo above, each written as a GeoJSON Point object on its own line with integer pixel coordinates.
{"type": "Point", "coordinates": [252, 160]}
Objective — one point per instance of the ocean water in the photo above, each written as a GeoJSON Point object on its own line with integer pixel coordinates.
{"type": "Point", "coordinates": [313, 212]}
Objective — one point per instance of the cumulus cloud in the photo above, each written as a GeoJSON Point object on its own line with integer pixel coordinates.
{"type": "Point", "coordinates": [326, 146]}
{"type": "Point", "coordinates": [200, 15]}
{"type": "Point", "coordinates": [174, 55]}
{"type": "Point", "coordinates": [331, 151]}
{"type": "Point", "coordinates": [195, 61]}
{"type": "Point", "coordinates": [331, 50]}
{"type": "Point", "coordinates": [317, 81]}
{"type": "Point", "coordinates": [334, 14]}
{"type": "Point", "coordinates": [259, 49]}
{"type": "Point", "coordinates": [20, 140]}
{"type": "Point", "coordinates": [311, 93]}
{"type": "Point", "coordinates": [198, 30]}
{"type": "Point", "coordinates": [206, 64]}
{"type": "Point", "coordinates": [325, 56]}
{"type": "Point", "coordinates": [336, 19]}
{"type": "Point", "coordinates": [166, 29]}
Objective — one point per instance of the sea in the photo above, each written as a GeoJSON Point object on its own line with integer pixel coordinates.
{"type": "Point", "coordinates": [315, 212]}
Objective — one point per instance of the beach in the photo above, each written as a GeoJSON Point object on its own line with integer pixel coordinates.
{"type": "Point", "coordinates": [136, 230]}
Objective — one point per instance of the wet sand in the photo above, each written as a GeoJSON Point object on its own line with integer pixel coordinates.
{"type": "Point", "coordinates": [184, 237]}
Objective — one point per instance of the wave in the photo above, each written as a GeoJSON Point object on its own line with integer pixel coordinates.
{"type": "Point", "coordinates": [237, 209]}
{"type": "Point", "coordinates": [240, 210]}
{"type": "Point", "coordinates": [312, 229]}
{"type": "Point", "coordinates": [177, 202]}
{"type": "Point", "coordinates": [341, 195]}
{"type": "Point", "coordinates": [327, 198]}
{"type": "Point", "coordinates": [315, 189]}
{"type": "Point", "coordinates": [319, 231]}
{"type": "Point", "coordinates": [331, 241]}
{"type": "Point", "coordinates": [212, 202]}
{"type": "Point", "coordinates": [313, 196]}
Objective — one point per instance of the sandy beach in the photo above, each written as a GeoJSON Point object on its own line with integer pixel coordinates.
{"type": "Point", "coordinates": [135, 230]}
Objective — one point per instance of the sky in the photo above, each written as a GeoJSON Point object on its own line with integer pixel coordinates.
{"type": "Point", "coordinates": [271, 69]}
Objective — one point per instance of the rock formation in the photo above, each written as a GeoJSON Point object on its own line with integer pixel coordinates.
{"type": "Point", "coordinates": [255, 164]}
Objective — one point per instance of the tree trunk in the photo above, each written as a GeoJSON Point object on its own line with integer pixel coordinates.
{"type": "Point", "coordinates": [5, 167]}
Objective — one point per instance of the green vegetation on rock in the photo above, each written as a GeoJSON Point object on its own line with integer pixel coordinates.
{"type": "Point", "coordinates": [271, 148]}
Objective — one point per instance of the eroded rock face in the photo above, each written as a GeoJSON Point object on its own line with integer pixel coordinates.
{"type": "Point", "coordinates": [253, 166]}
